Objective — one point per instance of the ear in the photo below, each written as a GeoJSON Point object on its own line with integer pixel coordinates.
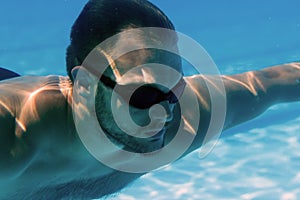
{"type": "Point", "coordinates": [74, 72]}
{"type": "Point", "coordinates": [83, 77]}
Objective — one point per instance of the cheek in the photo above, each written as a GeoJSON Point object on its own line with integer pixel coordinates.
{"type": "Point", "coordinates": [140, 117]}
{"type": "Point", "coordinates": [120, 117]}
{"type": "Point", "coordinates": [127, 116]}
{"type": "Point", "coordinates": [103, 110]}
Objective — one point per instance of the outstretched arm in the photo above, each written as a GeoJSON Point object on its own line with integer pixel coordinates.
{"type": "Point", "coordinates": [248, 94]}
{"type": "Point", "coordinates": [251, 93]}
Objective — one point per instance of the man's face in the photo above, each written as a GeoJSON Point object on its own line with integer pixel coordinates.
{"type": "Point", "coordinates": [116, 113]}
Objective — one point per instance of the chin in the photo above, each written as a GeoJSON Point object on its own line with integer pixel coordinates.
{"type": "Point", "coordinates": [137, 145]}
{"type": "Point", "coordinates": [145, 145]}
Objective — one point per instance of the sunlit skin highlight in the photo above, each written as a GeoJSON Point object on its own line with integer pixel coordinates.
{"type": "Point", "coordinates": [44, 102]}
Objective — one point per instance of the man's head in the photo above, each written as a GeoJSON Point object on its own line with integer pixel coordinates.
{"type": "Point", "coordinates": [102, 19]}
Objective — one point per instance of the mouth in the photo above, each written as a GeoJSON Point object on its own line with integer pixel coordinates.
{"type": "Point", "coordinates": [140, 145]}
{"type": "Point", "coordinates": [156, 135]}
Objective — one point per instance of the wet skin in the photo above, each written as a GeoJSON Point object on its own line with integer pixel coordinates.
{"type": "Point", "coordinates": [41, 154]}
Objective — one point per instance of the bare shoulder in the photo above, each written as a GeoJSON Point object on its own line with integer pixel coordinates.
{"type": "Point", "coordinates": [29, 98]}
{"type": "Point", "coordinates": [28, 105]}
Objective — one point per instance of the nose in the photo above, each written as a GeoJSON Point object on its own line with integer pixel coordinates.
{"type": "Point", "coordinates": [169, 111]}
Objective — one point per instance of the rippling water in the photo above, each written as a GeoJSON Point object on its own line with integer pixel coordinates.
{"type": "Point", "coordinates": [257, 160]}
{"type": "Point", "coordinates": [254, 163]}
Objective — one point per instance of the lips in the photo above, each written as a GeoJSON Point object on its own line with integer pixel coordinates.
{"type": "Point", "coordinates": [156, 135]}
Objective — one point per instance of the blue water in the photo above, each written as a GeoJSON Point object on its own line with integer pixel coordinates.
{"type": "Point", "coordinates": [256, 160]}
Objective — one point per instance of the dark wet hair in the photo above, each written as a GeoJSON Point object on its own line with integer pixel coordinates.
{"type": "Point", "coordinates": [101, 19]}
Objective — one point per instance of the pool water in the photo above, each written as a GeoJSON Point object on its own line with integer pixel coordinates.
{"type": "Point", "coordinates": [256, 160]}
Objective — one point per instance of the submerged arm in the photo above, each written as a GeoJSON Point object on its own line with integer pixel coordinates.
{"type": "Point", "coordinates": [247, 95]}
{"type": "Point", "coordinates": [251, 93]}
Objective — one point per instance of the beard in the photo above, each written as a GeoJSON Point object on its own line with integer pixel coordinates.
{"type": "Point", "coordinates": [114, 133]}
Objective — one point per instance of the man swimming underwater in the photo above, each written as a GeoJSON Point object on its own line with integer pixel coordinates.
{"type": "Point", "coordinates": [41, 154]}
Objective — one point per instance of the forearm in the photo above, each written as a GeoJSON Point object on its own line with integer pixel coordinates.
{"type": "Point", "coordinates": [250, 94]}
